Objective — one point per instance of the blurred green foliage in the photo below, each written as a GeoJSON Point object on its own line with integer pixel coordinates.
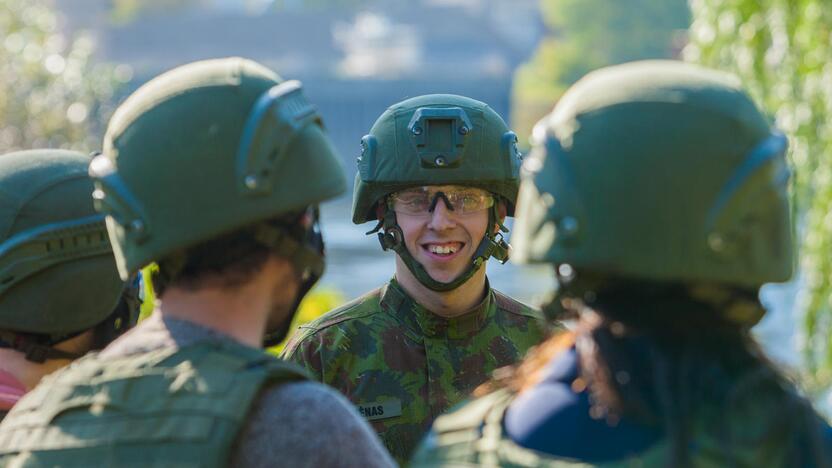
{"type": "Point", "coordinates": [125, 11]}
{"type": "Point", "coordinates": [149, 297]}
{"type": "Point", "coordinates": [589, 34]}
{"type": "Point", "coordinates": [330, 4]}
{"type": "Point", "coordinates": [782, 50]}
{"type": "Point", "coordinates": [51, 93]}
{"type": "Point", "coordinates": [318, 302]}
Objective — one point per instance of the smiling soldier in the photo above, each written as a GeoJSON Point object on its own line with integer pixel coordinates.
{"type": "Point", "coordinates": [439, 174]}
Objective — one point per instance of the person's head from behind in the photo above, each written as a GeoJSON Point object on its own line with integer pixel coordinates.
{"type": "Point", "coordinates": [439, 174]}
{"type": "Point", "coordinates": [214, 171]}
{"type": "Point", "coordinates": [657, 172]}
{"type": "Point", "coordinates": [60, 292]}
{"type": "Point", "coordinates": [286, 253]}
{"type": "Point", "coordinates": [658, 191]}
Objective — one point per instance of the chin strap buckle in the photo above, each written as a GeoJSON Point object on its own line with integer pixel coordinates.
{"type": "Point", "coordinates": [500, 249]}
{"type": "Point", "coordinates": [392, 237]}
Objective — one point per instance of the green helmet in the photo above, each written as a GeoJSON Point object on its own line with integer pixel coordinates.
{"type": "Point", "coordinates": [660, 171]}
{"type": "Point", "coordinates": [206, 149]}
{"type": "Point", "coordinates": [209, 148]}
{"type": "Point", "coordinates": [437, 139]}
{"type": "Point", "coordinates": [57, 273]}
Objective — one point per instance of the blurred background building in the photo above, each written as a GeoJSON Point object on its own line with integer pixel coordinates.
{"type": "Point", "coordinates": [355, 58]}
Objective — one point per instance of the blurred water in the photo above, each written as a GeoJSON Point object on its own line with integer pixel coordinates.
{"type": "Point", "coordinates": [356, 264]}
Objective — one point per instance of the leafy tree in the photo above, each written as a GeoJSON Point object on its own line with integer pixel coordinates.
{"type": "Point", "coordinates": [589, 34]}
{"type": "Point", "coordinates": [125, 11]}
{"type": "Point", "coordinates": [318, 302]}
{"type": "Point", "coordinates": [318, 4]}
{"type": "Point", "coordinates": [51, 94]}
{"type": "Point", "coordinates": [782, 50]}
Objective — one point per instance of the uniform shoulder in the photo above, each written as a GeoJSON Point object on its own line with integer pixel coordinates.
{"type": "Point", "coordinates": [509, 304]}
{"type": "Point", "coordinates": [363, 306]}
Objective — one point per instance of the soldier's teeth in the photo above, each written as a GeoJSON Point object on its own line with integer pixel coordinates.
{"type": "Point", "coordinates": [443, 249]}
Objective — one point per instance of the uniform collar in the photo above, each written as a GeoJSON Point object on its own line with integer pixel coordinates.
{"type": "Point", "coordinates": [425, 323]}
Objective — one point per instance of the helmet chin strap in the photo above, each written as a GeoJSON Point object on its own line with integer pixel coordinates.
{"type": "Point", "coordinates": [275, 336]}
{"type": "Point", "coordinates": [492, 245]}
{"type": "Point", "coordinates": [307, 259]}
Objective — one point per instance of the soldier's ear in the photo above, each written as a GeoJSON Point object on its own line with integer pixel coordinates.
{"type": "Point", "coordinates": [502, 212]}
{"type": "Point", "coordinates": [379, 211]}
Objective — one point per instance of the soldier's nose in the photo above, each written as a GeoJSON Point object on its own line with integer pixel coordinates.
{"type": "Point", "coordinates": [441, 217]}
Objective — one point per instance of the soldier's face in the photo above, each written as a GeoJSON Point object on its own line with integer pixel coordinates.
{"type": "Point", "coordinates": [443, 240]}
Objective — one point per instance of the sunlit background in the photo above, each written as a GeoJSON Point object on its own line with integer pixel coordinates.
{"type": "Point", "coordinates": [66, 64]}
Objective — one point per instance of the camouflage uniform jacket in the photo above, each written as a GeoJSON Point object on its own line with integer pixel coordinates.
{"type": "Point", "coordinates": [403, 365]}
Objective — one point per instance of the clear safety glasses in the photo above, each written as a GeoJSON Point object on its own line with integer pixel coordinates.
{"type": "Point", "coordinates": [422, 200]}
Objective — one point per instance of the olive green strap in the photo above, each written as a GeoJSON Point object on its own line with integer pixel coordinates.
{"type": "Point", "coordinates": [307, 262]}
{"type": "Point", "coordinates": [491, 245]}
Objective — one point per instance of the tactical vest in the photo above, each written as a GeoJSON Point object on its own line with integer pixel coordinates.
{"type": "Point", "coordinates": [168, 407]}
{"type": "Point", "coordinates": [474, 436]}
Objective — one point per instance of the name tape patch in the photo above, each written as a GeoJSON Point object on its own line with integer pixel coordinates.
{"type": "Point", "coordinates": [381, 409]}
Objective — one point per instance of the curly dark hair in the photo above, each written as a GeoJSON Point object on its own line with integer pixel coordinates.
{"type": "Point", "coordinates": [226, 261]}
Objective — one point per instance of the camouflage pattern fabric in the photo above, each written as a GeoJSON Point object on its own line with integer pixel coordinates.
{"type": "Point", "coordinates": [403, 365]}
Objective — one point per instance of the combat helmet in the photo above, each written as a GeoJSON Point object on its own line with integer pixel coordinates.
{"type": "Point", "coordinates": [658, 171]}
{"type": "Point", "coordinates": [438, 139]}
{"type": "Point", "coordinates": [206, 149]}
{"type": "Point", "coordinates": [58, 277]}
